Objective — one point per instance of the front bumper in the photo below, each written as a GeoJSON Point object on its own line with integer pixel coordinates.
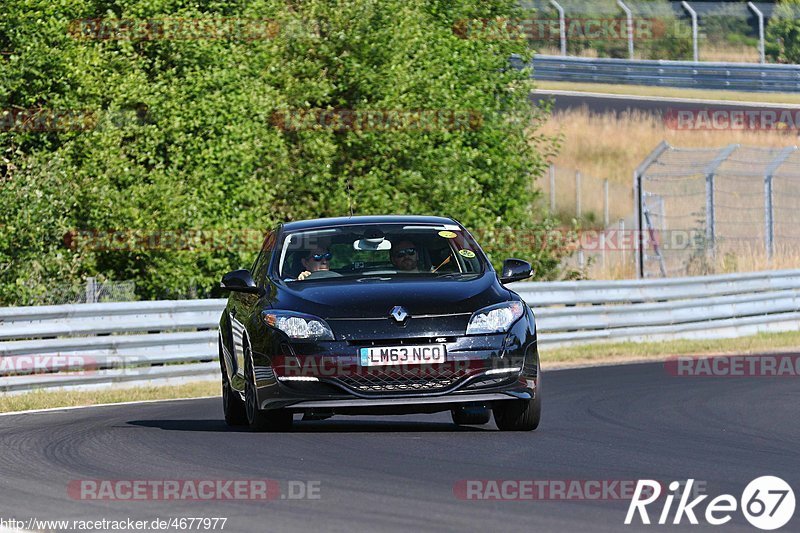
{"type": "Point", "coordinates": [326, 376]}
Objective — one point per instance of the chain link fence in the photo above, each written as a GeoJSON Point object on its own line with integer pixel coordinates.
{"type": "Point", "coordinates": [701, 211]}
{"type": "Point", "coordinates": [92, 292]}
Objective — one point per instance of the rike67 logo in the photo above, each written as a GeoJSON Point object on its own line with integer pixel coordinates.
{"type": "Point", "coordinates": [767, 503]}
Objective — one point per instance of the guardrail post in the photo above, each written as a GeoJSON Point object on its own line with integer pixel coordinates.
{"type": "Point", "coordinates": [629, 15]}
{"type": "Point", "coordinates": [760, 16]}
{"type": "Point", "coordinates": [693, 14]}
{"type": "Point", "coordinates": [562, 27]}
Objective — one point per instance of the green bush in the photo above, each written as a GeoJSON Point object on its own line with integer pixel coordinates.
{"type": "Point", "coordinates": [783, 32]}
{"type": "Point", "coordinates": [186, 139]}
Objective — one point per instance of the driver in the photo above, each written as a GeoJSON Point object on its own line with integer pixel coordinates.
{"type": "Point", "coordinates": [404, 256]}
{"type": "Point", "coordinates": [316, 260]}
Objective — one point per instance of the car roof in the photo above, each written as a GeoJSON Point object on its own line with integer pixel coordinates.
{"type": "Point", "coordinates": [300, 225]}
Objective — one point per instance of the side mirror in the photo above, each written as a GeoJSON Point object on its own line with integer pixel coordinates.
{"type": "Point", "coordinates": [239, 281]}
{"type": "Point", "coordinates": [515, 270]}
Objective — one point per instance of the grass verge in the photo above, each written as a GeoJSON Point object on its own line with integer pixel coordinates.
{"type": "Point", "coordinates": [634, 351]}
{"type": "Point", "coordinates": [48, 399]}
{"type": "Point", "coordinates": [671, 92]}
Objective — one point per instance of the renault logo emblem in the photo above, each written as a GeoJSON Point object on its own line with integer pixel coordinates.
{"type": "Point", "coordinates": [398, 313]}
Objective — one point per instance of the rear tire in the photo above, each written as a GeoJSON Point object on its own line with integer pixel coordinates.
{"type": "Point", "coordinates": [470, 417]}
{"type": "Point", "coordinates": [518, 415]}
{"type": "Point", "coordinates": [259, 419]}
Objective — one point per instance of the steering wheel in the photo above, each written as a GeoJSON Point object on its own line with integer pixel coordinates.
{"type": "Point", "coordinates": [319, 274]}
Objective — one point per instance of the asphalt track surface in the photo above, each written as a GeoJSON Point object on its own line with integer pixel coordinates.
{"type": "Point", "coordinates": [398, 473]}
{"type": "Point", "coordinates": [618, 104]}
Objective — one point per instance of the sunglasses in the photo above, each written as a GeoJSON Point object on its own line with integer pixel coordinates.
{"type": "Point", "coordinates": [405, 251]}
{"type": "Point", "coordinates": [320, 257]}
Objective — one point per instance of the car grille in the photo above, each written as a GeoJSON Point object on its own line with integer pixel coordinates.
{"type": "Point", "coordinates": [379, 381]}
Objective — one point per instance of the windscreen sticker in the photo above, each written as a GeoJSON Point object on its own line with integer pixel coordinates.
{"type": "Point", "coordinates": [447, 234]}
{"type": "Point", "coordinates": [469, 254]}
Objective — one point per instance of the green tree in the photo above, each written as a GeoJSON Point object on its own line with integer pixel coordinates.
{"type": "Point", "coordinates": [186, 137]}
{"type": "Point", "coordinates": [783, 32]}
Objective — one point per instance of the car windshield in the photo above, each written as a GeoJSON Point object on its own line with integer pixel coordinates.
{"type": "Point", "coordinates": [382, 251]}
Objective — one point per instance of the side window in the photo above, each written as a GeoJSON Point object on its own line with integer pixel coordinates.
{"type": "Point", "coordinates": [262, 263]}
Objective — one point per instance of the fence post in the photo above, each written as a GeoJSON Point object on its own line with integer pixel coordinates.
{"type": "Point", "coordinates": [693, 14]}
{"type": "Point", "coordinates": [562, 30]}
{"type": "Point", "coordinates": [605, 223]}
{"type": "Point", "coordinates": [638, 191]}
{"type": "Point", "coordinates": [621, 240]}
{"type": "Point", "coordinates": [91, 290]}
{"type": "Point", "coordinates": [769, 212]}
{"type": "Point", "coordinates": [711, 223]}
{"type": "Point", "coordinates": [552, 189]}
{"type": "Point", "coordinates": [629, 15]}
{"type": "Point", "coordinates": [760, 16]}
{"type": "Point", "coordinates": [769, 235]}
{"type": "Point", "coordinates": [578, 213]}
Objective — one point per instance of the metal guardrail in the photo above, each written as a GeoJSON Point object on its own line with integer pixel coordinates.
{"type": "Point", "coordinates": [754, 77]}
{"type": "Point", "coordinates": [96, 345]}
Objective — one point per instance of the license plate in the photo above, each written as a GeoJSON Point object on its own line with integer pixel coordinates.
{"type": "Point", "coordinates": [403, 355]}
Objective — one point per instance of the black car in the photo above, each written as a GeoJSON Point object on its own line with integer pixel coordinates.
{"type": "Point", "coordinates": [377, 315]}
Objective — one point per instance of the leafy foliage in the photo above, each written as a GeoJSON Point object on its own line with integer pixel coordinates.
{"type": "Point", "coordinates": [183, 136]}
{"type": "Point", "coordinates": [783, 32]}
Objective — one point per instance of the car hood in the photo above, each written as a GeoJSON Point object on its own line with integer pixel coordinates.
{"type": "Point", "coordinates": [351, 298]}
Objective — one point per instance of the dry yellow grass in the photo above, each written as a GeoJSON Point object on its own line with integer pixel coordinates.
{"type": "Point", "coordinates": [632, 351]}
{"type": "Point", "coordinates": [611, 147]}
{"type": "Point", "coordinates": [607, 146]}
{"type": "Point", "coordinates": [735, 53]}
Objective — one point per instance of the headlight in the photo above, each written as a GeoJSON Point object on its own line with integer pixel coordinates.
{"type": "Point", "coordinates": [495, 318]}
{"type": "Point", "coordinates": [298, 325]}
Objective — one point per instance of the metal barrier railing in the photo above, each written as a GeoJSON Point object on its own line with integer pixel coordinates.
{"type": "Point", "coordinates": [96, 345]}
{"type": "Point", "coordinates": [687, 74]}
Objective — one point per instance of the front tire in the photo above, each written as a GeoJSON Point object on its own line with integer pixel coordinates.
{"type": "Point", "coordinates": [518, 415]}
{"type": "Point", "coordinates": [259, 419]}
{"type": "Point", "coordinates": [232, 405]}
